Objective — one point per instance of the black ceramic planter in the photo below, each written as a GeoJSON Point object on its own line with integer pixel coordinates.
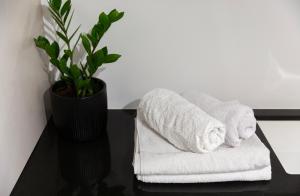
{"type": "Point", "coordinates": [80, 118]}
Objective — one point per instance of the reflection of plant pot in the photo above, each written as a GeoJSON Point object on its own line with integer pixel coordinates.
{"type": "Point", "coordinates": [80, 118]}
{"type": "Point", "coordinates": [83, 164]}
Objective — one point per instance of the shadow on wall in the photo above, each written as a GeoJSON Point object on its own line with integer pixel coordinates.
{"type": "Point", "coordinates": [47, 104]}
{"type": "Point", "coordinates": [133, 104]}
{"type": "Point", "coordinates": [279, 75]}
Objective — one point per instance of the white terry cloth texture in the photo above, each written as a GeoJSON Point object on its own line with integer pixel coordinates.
{"type": "Point", "coordinates": [158, 161]}
{"type": "Point", "coordinates": [239, 119]}
{"type": "Point", "coordinates": [251, 175]}
{"type": "Point", "coordinates": [182, 123]}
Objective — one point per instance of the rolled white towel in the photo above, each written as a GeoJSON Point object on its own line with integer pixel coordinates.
{"type": "Point", "coordinates": [180, 122]}
{"type": "Point", "coordinates": [239, 119]}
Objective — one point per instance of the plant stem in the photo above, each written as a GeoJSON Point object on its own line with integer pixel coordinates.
{"type": "Point", "coordinates": [83, 70]}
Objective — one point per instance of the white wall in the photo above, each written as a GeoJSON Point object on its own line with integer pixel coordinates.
{"type": "Point", "coordinates": [22, 84]}
{"type": "Point", "coordinates": [243, 49]}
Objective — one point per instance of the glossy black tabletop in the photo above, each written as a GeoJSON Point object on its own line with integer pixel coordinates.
{"type": "Point", "coordinates": [58, 167]}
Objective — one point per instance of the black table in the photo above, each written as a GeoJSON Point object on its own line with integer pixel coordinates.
{"type": "Point", "coordinates": [60, 167]}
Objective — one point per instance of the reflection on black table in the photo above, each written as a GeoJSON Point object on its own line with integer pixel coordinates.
{"type": "Point", "coordinates": [83, 166]}
{"type": "Point", "coordinates": [104, 167]}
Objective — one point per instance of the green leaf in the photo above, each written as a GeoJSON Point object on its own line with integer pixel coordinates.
{"type": "Point", "coordinates": [89, 59]}
{"type": "Point", "coordinates": [75, 72]}
{"type": "Point", "coordinates": [114, 15]}
{"type": "Point", "coordinates": [50, 51]}
{"type": "Point", "coordinates": [65, 7]}
{"type": "Point", "coordinates": [104, 21]}
{"type": "Point", "coordinates": [53, 12]}
{"type": "Point", "coordinates": [55, 62]}
{"type": "Point", "coordinates": [75, 45]}
{"type": "Point", "coordinates": [55, 47]}
{"type": "Point", "coordinates": [92, 66]}
{"type": "Point", "coordinates": [105, 51]}
{"type": "Point", "coordinates": [57, 20]}
{"type": "Point", "coordinates": [97, 32]}
{"type": "Point", "coordinates": [93, 40]}
{"type": "Point", "coordinates": [70, 19]}
{"type": "Point", "coordinates": [92, 69]}
{"type": "Point", "coordinates": [60, 65]}
{"type": "Point", "coordinates": [63, 66]}
{"type": "Point", "coordinates": [97, 29]}
{"type": "Point", "coordinates": [71, 37]}
{"type": "Point", "coordinates": [86, 44]}
{"type": "Point", "coordinates": [68, 52]}
{"type": "Point", "coordinates": [65, 57]}
{"type": "Point", "coordinates": [55, 4]}
{"type": "Point", "coordinates": [99, 57]}
{"type": "Point", "coordinates": [95, 60]}
{"type": "Point", "coordinates": [41, 42]}
{"type": "Point", "coordinates": [53, 50]}
{"type": "Point", "coordinates": [111, 58]}
{"type": "Point", "coordinates": [66, 15]}
{"type": "Point", "coordinates": [62, 37]}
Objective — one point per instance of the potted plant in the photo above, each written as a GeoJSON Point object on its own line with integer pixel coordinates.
{"type": "Point", "coordinates": [79, 100]}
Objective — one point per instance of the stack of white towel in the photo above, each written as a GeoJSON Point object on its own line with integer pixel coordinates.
{"type": "Point", "coordinates": [194, 137]}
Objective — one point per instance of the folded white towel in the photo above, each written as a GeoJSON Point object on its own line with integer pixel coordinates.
{"type": "Point", "coordinates": [251, 175]}
{"type": "Point", "coordinates": [238, 118]}
{"type": "Point", "coordinates": [182, 123]}
{"type": "Point", "coordinates": [156, 160]}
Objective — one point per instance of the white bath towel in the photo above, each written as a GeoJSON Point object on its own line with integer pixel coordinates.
{"type": "Point", "coordinates": [182, 123]}
{"type": "Point", "coordinates": [238, 118]}
{"type": "Point", "coordinates": [251, 175]}
{"type": "Point", "coordinates": [156, 160]}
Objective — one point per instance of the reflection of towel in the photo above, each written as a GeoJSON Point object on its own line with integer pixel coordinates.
{"type": "Point", "coordinates": [156, 160]}
{"type": "Point", "coordinates": [239, 119]}
{"type": "Point", "coordinates": [182, 123]}
{"type": "Point", "coordinates": [203, 188]}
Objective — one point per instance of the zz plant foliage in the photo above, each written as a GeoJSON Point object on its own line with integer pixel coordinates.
{"type": "Point", "coordinates": [77, 76]}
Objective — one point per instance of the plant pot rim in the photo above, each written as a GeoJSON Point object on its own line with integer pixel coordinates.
{"type": "Point", "coordinates": [78, 98]}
